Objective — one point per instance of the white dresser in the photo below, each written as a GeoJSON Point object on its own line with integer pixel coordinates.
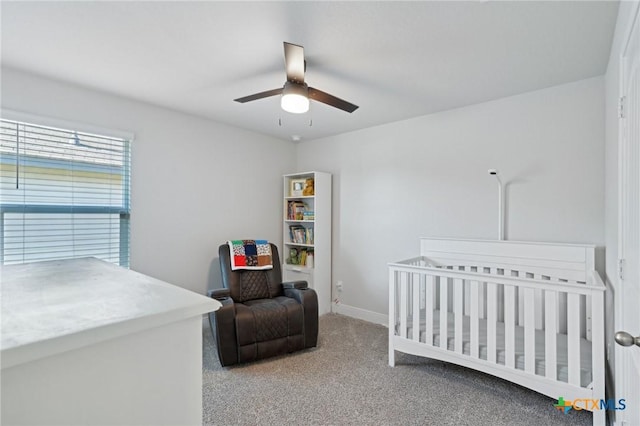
{"type": "Point", "coordinates": [87, 342]}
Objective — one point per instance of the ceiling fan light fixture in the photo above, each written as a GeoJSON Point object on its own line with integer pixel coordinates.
{"type": "Point", "coordinates": [295, 94]}
{"type": "Point", "coordinates": [295, 98]}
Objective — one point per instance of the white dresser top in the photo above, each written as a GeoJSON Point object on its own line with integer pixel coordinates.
{"type": "Point", "coordinates": [56, 306]}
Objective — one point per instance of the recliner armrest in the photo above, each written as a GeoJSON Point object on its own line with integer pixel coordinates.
{"type": "Point", "coordinates": [219, 293]}
{"type": "Point", "coordinates": [223, 323]}
{"type": "Point", "coordinates": [300, 285]}
{"type": "Point", "coordinates": [308, 298]}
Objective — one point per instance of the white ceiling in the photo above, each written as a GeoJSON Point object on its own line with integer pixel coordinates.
{"type": "Point", "coordinates": [396, 60]}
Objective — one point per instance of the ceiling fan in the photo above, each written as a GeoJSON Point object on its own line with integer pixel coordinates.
{"type": "Point", "coordinates": [295, 92]}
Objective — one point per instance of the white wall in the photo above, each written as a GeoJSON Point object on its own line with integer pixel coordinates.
{"type": "Point", "coordinates": [195, 183]}
{"type": "Point", "coordinates": [428, 177]}
{"type": "Point", "coordinates": [612, 84]}
{"type": "Point", "coordinates": [392, 184]}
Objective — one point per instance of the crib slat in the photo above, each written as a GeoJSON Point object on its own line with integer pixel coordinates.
{"type": "Point", "coordinates": [550, 344]}
{"type": "Point", "coordinates": [429, 306]}
{"type": "Point", "coordinates": [444, 303]}
{"type": "Point", "coordinates": [520, 294]}
{"type": "Point", "coordinates": [529, 330]}
{"type": "Point", "coordinates": [416, 307]}
{"type": "Point", "coordinates": [494, 271]}
{"type": "Point", "coordinates": [467, 295]}
{"type": "Point", "coordinates": [392, 315]}
{"type": "Point", "coordinates": [404, 277]}
{"type": "Point", "coordinates": [492, 319]}
{"type": "Point", "coordinates": [597, 350]}
{"type": "Point", "coordinates": [589, 316]}
{"type": "Point", "coordinates": [573, 337]}
{"type": "Point", "coordinates": [458, 288]}
{"type": "Point", "coordinates": [474, 321]}
{"type": "Point", "coordinates": [509, 326]}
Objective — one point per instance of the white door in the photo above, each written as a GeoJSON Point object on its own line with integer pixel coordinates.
{"type": "Point", "coordinates": [628, 293]}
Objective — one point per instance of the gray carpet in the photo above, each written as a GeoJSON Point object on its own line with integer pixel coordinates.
{"type": "Point", "coordinates": [346, 381]}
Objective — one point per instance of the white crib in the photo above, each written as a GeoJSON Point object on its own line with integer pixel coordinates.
{"type": "Point", "coordinates": [530, 313]}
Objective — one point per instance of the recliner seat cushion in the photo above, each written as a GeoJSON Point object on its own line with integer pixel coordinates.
{"type": "Point", "coordinates": [271, 319]}
{"type": "Point", "coordinates": [267, 319]}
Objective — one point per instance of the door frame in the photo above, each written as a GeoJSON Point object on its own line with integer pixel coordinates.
{"type": "Point", "coordinates": [622, 382]}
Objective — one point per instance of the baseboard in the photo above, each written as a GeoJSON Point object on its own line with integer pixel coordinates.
{"type": "Point", "coordinates": [359, 313]}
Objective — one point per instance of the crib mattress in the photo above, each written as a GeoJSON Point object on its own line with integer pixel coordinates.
{"type": "Point", "coordinates": [561, 345]}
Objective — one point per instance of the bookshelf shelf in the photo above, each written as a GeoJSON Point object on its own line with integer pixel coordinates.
{"type": "Point", "coordinates": [302, 197]}
{"type": "Point", "coordinates": [306, 233]}
{"type": "Point", "coordinates": [298, 245]}
{"type": "Point", "coordinates": [296, 268]}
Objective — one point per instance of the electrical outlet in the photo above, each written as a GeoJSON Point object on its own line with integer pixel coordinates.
{"type": "Point", "coordinates": [339, 286]}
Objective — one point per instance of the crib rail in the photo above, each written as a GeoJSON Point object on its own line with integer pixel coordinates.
{"type": "Point", "coordinates": [500, 317]}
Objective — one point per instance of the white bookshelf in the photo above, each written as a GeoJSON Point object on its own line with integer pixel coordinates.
{"type": "Point", "coordinates": [310, 235]}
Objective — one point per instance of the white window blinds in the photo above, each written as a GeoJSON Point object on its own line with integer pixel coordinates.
{"type": "Point", "coordinates": [64, 194]}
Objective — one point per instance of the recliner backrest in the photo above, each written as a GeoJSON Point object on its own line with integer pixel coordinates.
{"type": "Point", "coordinates": [245, 285]}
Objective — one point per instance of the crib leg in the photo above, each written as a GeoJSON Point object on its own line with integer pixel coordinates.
{"type": "Point", "coordinates": [392, 355]}
{"type": "Point", "coordinates": [599, 418]}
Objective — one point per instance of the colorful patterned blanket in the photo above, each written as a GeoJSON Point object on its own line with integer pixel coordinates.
{"type": "Point", "coordinates": [250, 254]}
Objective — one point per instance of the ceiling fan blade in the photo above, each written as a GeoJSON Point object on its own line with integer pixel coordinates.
{"type": "Point", "coordinates": [325, 98]}
{"type": "Point", "coordinates": [294, 62]}
{"type": "Point", "coordinates": [260, 95]}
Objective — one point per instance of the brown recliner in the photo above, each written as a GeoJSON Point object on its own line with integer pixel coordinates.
{"type": "Point", "coordinates": [260, 315]}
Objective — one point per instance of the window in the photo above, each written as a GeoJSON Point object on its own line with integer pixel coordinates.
{"type": "Point", "coordinates": [63, 194]}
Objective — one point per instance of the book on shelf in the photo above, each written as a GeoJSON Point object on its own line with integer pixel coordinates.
{"type": "Point", "coordinates": [300, 235]}
{"type": "Point", "coordinates": [302, 257]}
{"type": "Point", "coordinates": [296, 210]}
